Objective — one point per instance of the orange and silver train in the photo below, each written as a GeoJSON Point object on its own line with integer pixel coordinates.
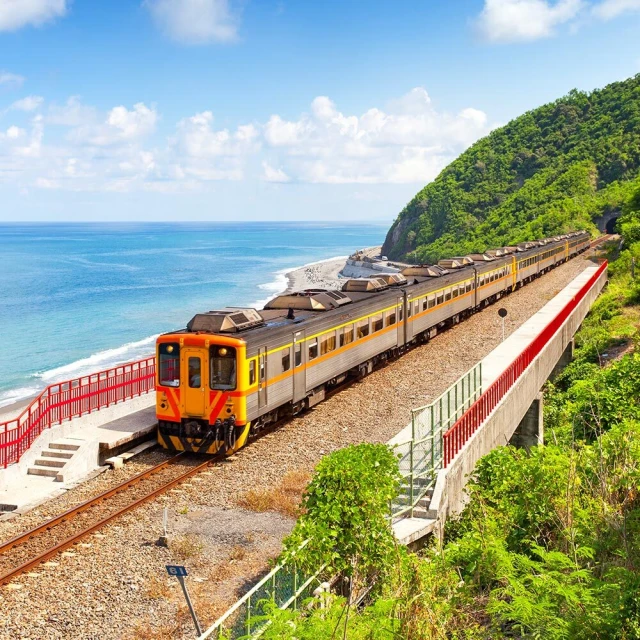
{"type": "Point", "coordinates": [232, 372]}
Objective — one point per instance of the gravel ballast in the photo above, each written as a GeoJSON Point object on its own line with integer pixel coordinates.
{"type": "Point", "coordinates": [114, 584]}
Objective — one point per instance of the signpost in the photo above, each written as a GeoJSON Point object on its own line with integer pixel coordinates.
{"type": "Point", "coordinates": [502, 312]}
{"type": "Point", "coordinates": [180, 573]}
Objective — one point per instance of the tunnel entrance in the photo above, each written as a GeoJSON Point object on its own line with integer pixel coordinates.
{"type": "Point", "coordinates": [612, 224]}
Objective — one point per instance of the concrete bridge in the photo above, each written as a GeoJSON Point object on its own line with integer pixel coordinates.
{"type": "Point", "coordinates": [509, 409]}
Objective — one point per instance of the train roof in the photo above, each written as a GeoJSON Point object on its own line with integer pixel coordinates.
{"type": "Point", "coordinates": [291, 311]}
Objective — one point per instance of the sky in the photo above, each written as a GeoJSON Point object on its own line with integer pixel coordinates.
{"type": "Point", "coordinates": [193, 110]}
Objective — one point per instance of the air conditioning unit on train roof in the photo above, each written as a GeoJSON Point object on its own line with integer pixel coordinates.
{"type": "Point", "coordinates": [498, 253]}
{"type": "Point", "coordinates": [455, 263]}
{"type": "Point", "coordinates": [310, 300]}
{"type": "Point", "coordinates": [392, 279]}
{"type": "Point", "coordinates": [365, 285]}
{"type": "Point", "coordinates": [425, 271]}
{"type": "Point", "coordinates": [230, 320]}
{"type": "Point", "coordinates": [481, 257]}
{"type": "Point", "coordinates": [525, 246]}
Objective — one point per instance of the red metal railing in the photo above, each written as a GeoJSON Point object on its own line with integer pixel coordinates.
{"type": "Point", "coordinates": [455, 438]}
{"type": "Point", "coordinates": [65, 400]}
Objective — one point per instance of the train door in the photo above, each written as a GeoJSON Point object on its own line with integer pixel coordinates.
{"type": "Point", "coordinates": [400, 320]}
{"type": "Point", "coordinates": [262, 377]}
{"type": "Point", "coordinates": [194, 372]}
{"type": "Point", "coordinates": [299, 370]}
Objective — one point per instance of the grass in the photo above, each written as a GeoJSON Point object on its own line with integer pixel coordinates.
{"type": "Point", "coordinates": [185, 547]}
{"type": "Point", "coordinates": [284, 498]}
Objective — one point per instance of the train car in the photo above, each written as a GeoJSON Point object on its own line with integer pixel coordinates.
{"type": "Point", "coordinates": [234, 371]}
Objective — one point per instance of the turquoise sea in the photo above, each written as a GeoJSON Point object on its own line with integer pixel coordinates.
{"type": "Point", "coordinates": [79, 298]}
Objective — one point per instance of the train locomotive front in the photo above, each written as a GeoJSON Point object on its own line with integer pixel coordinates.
{"type": "Point", "coordinates": [200, 397]}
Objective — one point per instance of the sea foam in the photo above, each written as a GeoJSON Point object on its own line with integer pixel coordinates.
{"type": "Point", "coordinates": [100, 361]}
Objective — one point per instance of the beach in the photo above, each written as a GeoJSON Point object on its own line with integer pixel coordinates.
{"type": "Point", "coordinates": [320, 274]}
{"type": "Point", "coordinates": [324, 274]}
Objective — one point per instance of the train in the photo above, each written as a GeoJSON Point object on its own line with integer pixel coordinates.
{"type": "Point", "coordinates": [232, 372]}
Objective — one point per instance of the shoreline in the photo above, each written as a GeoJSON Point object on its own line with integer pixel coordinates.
{"type": "Point", "coordinates": [322, 274]}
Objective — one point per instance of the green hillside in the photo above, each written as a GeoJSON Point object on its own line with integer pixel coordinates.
{"type": "Point", "coordinates": [551, 170]}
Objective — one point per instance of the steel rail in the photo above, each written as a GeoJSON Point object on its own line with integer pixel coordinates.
{"type": "Point", "coordinates": [65, 544]}
{"type": "Point", "coordinates": [83, 506]}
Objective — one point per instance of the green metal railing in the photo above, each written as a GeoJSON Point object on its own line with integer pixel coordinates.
{"type": "Point", "coordinates": [421, 456]}
{"type": "Point", "coordinates": [286, 586]}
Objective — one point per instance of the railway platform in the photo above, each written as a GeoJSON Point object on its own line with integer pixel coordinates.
{"type": "Point", "coordinates": [68, 453]}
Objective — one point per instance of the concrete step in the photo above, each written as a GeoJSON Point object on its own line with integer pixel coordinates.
{"type": "Point", "coordinates": [47, 462]}
{"type": "Point", "coordinates": [56, 454]}
{"type": "Point", "coordinates": [35, 471]}
{"type": "Point", "coordinates": [419, 512]}
{"type": "Point", "coordinates": [64, 445]}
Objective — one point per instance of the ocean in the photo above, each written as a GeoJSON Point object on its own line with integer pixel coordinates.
{"type": "Point", "coordinates": [79, 298]}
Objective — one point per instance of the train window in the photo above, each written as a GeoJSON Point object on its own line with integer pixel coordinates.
{"type": "Point", "coordinates": [424, 304]}
{"type": "Point", "coordinates": [447, 294]}
{"type": "Point", "coordinates": [313, 349]}
{"type": "Point", "coordinates": [328, 343]}
{"type": "Point", "coordinates": [222, 368]}
{"type": "Point", "coordinates": [416, 307]}
{"type": "Point", "coordinates": [261, 371]}
{"type": "Point", "coordinates": [391, 317]}
{"type": "Point", "coordinates": [286, 359]}
{"type": "Point", "coordinates": [169, 360]}
{"type": "Point", "coordinates": [195, 377]}
{"type": "Point", "coordinates": [376, 323]}
{"type": "Point", "coordinates": [252, 372]}
{"type": "Point", "coordinates": [346, 337]}
{"type": "Point", "coordinates": [297, 355]}
{"type": "Point", "coordinates": [409, 309]}
{"type": "Point", "coordinates": [469, 285]}
{"type": "Point", "coordinates": [431, 301]}
{"type": "Point", "coordinates": [455, 291]}
{"type": "Point", "coordinates": [400, 314]}
{"type": "Point", "coordinates": [362, 328]}
{"type": "Point", "coordinates": [440, 297]}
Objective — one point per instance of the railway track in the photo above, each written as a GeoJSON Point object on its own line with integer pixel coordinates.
{"type": "Point", "coordinates": [31, 548]}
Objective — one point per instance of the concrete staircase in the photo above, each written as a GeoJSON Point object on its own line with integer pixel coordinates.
{"type": "Point", "coordinates": [54, 459]}
{"type": "Point", "coordinates": [421, 509]}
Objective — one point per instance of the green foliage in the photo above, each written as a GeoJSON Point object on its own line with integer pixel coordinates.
{"type": "Point", "coordinates": [346, 508]}
{"type": "Point", "coordinates": [548, 545]}
{"type": "Point", "coordinates": [549, 171]}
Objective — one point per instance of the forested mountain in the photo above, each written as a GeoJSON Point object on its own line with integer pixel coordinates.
{"type": "Point", "coordinates": [551, 170]}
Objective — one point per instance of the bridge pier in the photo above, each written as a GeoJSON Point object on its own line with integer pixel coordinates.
{"type": "Point", "coordinates": [530, 432]}
{"type": "Point", "coordinates": [565, 359]}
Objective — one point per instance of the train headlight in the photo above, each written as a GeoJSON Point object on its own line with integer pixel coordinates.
{"type": "Point", "coordinates": [170, 348]}
{"type": "Point", "coordinates": [222, 351]}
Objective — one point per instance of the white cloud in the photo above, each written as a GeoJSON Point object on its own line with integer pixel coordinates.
{"type": "Point", "coordinates": [524, 20]}
{"type": "Point", "coordinates": [195, 21]}
{"type": "Point", "coordinates": [410, 142]}
{"type": "Point", "coordinates": [201, 152]}
{"type": "Point", "coordinates": [195, 137]}
{"type": "Point", "coordinates": [72, 114]}
{"type": "Point", "coordinates": [121, 125]}
{"type": "Point", "coordinates": [609, 9]}
{"type": "Point", "coordinates": [271, 174]}
{"type": "Point", "coordinates": [15, 14]}
{"type": "Point", "coordinates": [11, 80]}
{"type": "Point", "coordinates": [30, 103]}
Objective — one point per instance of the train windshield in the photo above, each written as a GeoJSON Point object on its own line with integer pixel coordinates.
{"type": "Point", "coordinates": [169, 365]}
{"type": "Point", "coordinates": [222, 364]}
